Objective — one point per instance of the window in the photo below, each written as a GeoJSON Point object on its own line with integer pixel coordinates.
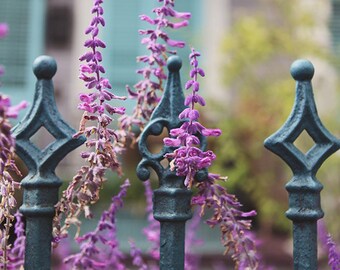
{"type": "Point", "coordinates": [123, 41]}
{"type": "Point", "coordinates": [23, 44]}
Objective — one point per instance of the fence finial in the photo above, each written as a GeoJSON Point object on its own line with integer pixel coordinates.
{"type": "Point", "coordinates": [302, 70]}
{"type": "Point", "coordinates": [165, 115]}
{"type": "Point", "coordinates": [44, 67]}
{"type": "Point", "coordinates": [304, 189]}
{"type": "Point", "coordinates": [41, 184]}
{"type": "Point", "coordinates": [172, 199]}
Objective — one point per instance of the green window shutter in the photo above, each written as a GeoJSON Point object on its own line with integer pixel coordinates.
{"type": "Point", "coordinates": [22, 45]}
{"type": "Point", "coordinates": [123, 40]}
{"type": "Point", "coordinates": [121, 37]}
{"type": "Point", "coordinates": [12, 56]}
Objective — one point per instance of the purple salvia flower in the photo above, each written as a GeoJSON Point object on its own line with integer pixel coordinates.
{"type": "Point", "coordinates": [103, 143]}
{"type": "Point", "coordinates": [99, 249]}
{"type": "Point", "coordinates": [7, 164]}
{"type": "Point", "coordinates": [188, 159]}
{"type": "Point", "coordinates": [322, 233]}
{"type": "Point", "coordinates": [333, 254]}
{"type": "Point", "coordinates": [157, 42]}
{"type": "Point", "coordinates": [17, 253]}
{"type": "Point", "coordinates": [329, 245]}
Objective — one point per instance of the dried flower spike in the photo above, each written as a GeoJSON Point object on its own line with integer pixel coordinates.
{"type": "Point", "coordinates": [99, 249]}
{"type": "Point", "coordinates": [7, 166]}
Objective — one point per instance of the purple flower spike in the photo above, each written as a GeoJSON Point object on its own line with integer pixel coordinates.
{"type": "Point", "coordinates": [7, 184]}
{"type": "Point", "coordinates": [188, 159]}
{"type": "Point", "coordinates": [235, 229]}
{"type": "Point", "coordinates": [329, 245]}
{"type": "Point", "coordinates": [157, 42]}
{"type": "Point", "coordinates": [17, 253]}
{"type": "Point", "coordinates": [99, 249]}
{"type": "Point", "coordinates": [333, 254]}
{"type": "Point", "coordinates": [104, 143]}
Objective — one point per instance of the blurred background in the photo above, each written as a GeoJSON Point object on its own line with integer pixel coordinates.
{"type": "Point", "coordinates": [247, 48]}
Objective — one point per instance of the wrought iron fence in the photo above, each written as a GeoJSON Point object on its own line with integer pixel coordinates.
{"type": "Point", "coordinates": [172, 198]}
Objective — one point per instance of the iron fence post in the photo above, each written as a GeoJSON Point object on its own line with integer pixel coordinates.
{"type": "Point", "coordinates": [41, 184]}
{"type": "Point", "coordinates": [304, 189]}
{"type": "Point", "coordinates": [172, 199]}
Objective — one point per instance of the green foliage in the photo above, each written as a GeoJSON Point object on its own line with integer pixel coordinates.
{"type": "Point", "coordinates": [258, 52]}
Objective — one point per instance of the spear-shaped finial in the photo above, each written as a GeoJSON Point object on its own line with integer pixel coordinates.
{"type": "Point", "coordinates": [41, 184]}
{"type": "Point", "coordinates": [304, 189]}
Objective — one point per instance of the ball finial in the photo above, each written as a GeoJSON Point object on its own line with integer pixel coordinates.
{"type": "Point", "coordinates": [174, 63]}
{"type": "Point", "coordinates": [302, 70]}
{"type": "Point", "coordinates": [44, 67]}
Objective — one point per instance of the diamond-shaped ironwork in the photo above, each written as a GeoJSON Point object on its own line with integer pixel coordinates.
{"type": "Point", "coordinates": [304, 117]}
{"type": "Point", "coordinates": [41, 184]}
{"type": "Point", "coordinates": [165, 116]}
{"type": "Point", "coordinates": [304, 189]}
{"type": "Point", "coordinates": [44, 113]}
